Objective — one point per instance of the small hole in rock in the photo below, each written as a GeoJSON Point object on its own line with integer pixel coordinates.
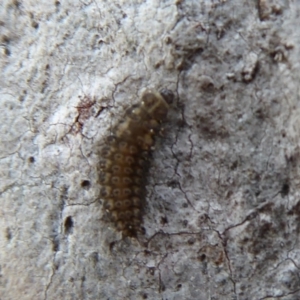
{"type": "Point", "coordinates": [68, 225]}
{"type": "Point", "coordinates": [285, 189]}
{"type": "Point", "coordinates": [202, 257]}
{"type": "Point", "coordinates": [85, 183]}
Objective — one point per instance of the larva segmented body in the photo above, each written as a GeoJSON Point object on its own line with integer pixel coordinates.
{"type": "Point", "coordinates": [124, 169]}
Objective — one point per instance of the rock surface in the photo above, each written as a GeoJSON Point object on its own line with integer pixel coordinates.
{"type": "Point", "coordinates": [223, 209]}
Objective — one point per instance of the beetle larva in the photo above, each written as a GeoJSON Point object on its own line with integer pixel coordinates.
{"type": "Point", "coordinates": [126, 159]}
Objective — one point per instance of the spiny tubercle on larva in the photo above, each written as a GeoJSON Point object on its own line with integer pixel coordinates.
{"type": "Point", "coordinates": [125, 160]}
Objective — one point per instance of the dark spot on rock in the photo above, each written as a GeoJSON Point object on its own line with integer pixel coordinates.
{"type": "Point", "coordinates": [191, 241]}
{"type": "Point", "coordinates": [5, 39]}
{"type": "Point", "coordinates": [163, 220]}
{"type": "Point", "coordinates": [35, 24]}
{"type": "Point", "coordinates": [234, 165]}
{"type": "Point", "coordinates": [68, 224]}
{"type": "Point", "coordinates": [7, 52]}
{"type": "Point", "coordinates": [16, 3]}
{"type": "Point", "coordinates": [185, 223]}
{"type": "Point", "coordinates": [285, 189]}
{"type": "Point", "coordinates": [8, 234]}
{"type": "Point", "coordinates": [265, 230]}
{"type": "Point", "coordinates": [267, 208]}
{"type": "Point", "coordinates": [151, 271]}
{"type": "Point", "coordinates": [55, 245]}
{"type": "Point", "coordinates": [85, 184]}
{"type": "Point", "coordinates": [202, 257]}
{"type": "Point", "coordinates": [147, 252]}
{"type": "Point", "coordinates": [31, 159]}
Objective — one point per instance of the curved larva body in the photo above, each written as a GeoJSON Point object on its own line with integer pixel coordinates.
{"type": "Point", "coordinates": [124, 171]}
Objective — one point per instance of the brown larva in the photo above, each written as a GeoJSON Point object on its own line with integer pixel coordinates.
{"type": "Point", "coordinates": [124, 169]}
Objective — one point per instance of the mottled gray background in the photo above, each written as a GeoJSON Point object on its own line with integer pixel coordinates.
{"type": "Point", "coordinates": [223, 213]}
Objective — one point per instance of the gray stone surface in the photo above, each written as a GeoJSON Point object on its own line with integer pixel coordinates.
{"type": "Point", "coordinates": [223, 210]}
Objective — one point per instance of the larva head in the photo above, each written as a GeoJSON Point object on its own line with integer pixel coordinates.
{"type": "Point", "coordinates": [157, 104]}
